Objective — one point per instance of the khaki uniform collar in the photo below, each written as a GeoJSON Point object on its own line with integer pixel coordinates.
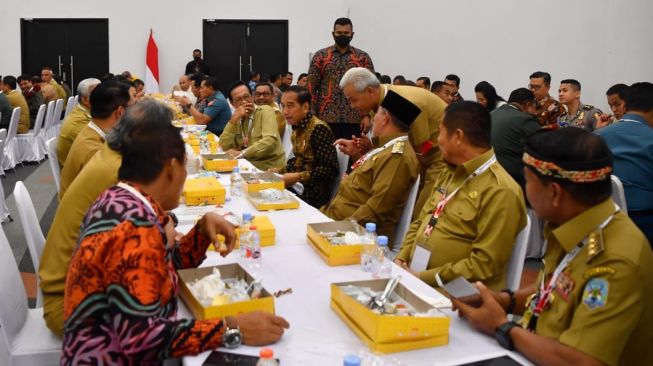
{"type": "Point", "coordinates": [470, 166]}
{"type": "Point", "coordinates": [572, 232]}
{"type": "Point", "coordinates": [382, 140]}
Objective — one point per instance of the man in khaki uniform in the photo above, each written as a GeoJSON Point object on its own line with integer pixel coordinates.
{"type": "Point", "coordinates": [47, 77]}
{"type": "Point", "coordinates": [252, 132]}
{"type": "Point", "coordinates": [365, 93]}
{"type": "Point", "coordinates": [16, 99]}
{"type": "Point", "coordinates": [547, 109]}
{"type": "Point", "coordinates": [264, 95]}
{"type": "Point", "coordinates": [78, 118]}
{"type": "Point", "coordinates": [578, 114]}
{"type": "Point", "coordinates": [593, 301]}
{"type": "Point", "coordinates": [475, 232]}
{"type": "Point", "coordinates": [377, 188]}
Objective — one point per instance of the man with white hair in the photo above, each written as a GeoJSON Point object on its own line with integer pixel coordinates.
{"type": "Point", "coordinates": [365, 93]}
{"type": "Point", "coordinates": [78, 118]}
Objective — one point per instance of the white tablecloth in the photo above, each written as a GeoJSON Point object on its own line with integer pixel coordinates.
{"type": "Point", "coordinates": [317, 336]}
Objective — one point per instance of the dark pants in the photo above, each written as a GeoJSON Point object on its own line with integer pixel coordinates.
{"type": "Point", "coordinates": [345, 130]}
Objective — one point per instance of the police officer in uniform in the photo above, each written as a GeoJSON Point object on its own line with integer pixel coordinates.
{"type": "Point", "coordinates": [377, 188]}
{"type": "Point", "coordinates": [469, 224]}
{"type": "Point", "coordinates": [577, 114]}
{"type": "Point", "coordinates": [593, 301]}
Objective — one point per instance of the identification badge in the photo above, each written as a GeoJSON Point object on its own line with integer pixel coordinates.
{"type": "Point", "coordinates": [565, 285]}
{"type": "Point", "coordinates": [421, 258]}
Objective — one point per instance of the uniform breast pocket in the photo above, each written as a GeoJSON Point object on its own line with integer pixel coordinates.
{"type": "Point", "coordinates": [461, 215]}
{"type": "Point", "coordinates": [362, 177]}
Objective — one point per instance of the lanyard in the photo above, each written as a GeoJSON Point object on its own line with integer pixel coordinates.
{"type": "Point", "coordinates": [545, 292]}
{"type": "Point", "coordinates": [446, 198]}
{"type": "Point", "coordinates": [97, 129]}
{"type": "Point", "coordinates": [250, 127]}
{"type": "Point", "coordinates": [370, 154]}
{"type": "Point", "coordinates": [138, 195]}
{"type": "Point", "coordinates": [630, 120]}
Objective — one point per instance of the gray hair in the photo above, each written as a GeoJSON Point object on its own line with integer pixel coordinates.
{"type": "Point", "coordinates": [148, 110]}
{"type": "Point", "coordinates": [84, 87]}
{"type": "Point", "coordinates": [361, 78]}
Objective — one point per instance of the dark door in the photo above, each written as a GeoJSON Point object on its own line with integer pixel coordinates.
{"type": "Point", "coordinates": [76, 49]}
{"type": "Point", "coordinates": [234, 48]}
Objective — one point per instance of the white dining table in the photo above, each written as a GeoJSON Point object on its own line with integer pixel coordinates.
{"type": "Point", "coordinates": [317, 336]}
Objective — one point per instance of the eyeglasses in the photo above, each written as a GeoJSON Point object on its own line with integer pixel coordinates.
{"type": "Point", "coordinates": [263, 94]}
{"type": "Point", "coordinates": [245, 98]}
{"type": "Point", "coordinates": [534, 87]}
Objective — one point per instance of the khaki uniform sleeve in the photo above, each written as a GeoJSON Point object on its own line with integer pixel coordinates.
{"type": "Point", "coordinates": [500, 219]}
{"type": "Point", "coordinates": [603, 332]}
{"type": "Point", "coordinates": [265, 146]}
{"type": "Point", "coordinates": [228, 136]}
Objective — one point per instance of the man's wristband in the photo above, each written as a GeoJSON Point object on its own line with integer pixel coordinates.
{"type": "Point", "coordinates": [511, 304]}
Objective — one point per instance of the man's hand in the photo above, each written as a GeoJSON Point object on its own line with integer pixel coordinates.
{"type": "Point", "coordinates": [603, 120]}
{"type": "Point", "coordinates": [233, 153]}
{"type": "Point", "coordinates": [405, 266]}
{"type": "Point", "coordinates": [259, 328]}
{"type": "Point", "coordinates": [273, 170]}
{"type": "Point", "coordinates": [485, 318]}
{"type": "Point", "coordinates": [184, 101]}
{"type": "Point", "coordinates": [212, 224]}
{"type": "Point", "coordinates": [366, 124]}
{"type": "Point", "coordinates": [362, 143]}
{"type": "Point", "coordinates": [348, 147]}
{"type": "Point", "coordinates": [242, 111]}
{"type": "Point", "coordinates": [290, 178]}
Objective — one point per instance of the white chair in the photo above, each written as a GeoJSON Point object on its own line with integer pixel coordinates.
{"type": "Point", "coordinates": [618, 195]}
{"type": "Point", "coordinates": [343, 160]}
{"type": "Point", "coordinates": [31, 229]}
{"type": "Point", "coordinates": [516, 263]}
{"type": "Point", "coordinates": [287, 142]}
{"type": "Point", "coordinates": [536, 243]}
{"type": "Point", "coordinates": [77, 99]}
{"type": "Point", "coordinates": [69, 107]}
{"type": "Point", "coordinates": [4, 210]}
{"type": "Point", "coordinates": [404, 219]}
{"type": "Point", "coordinates": [3, 137]}
{"type": "Point", "coordinates": [29, 145]}
{"type": "Point", "coordinates": [25, 338]}
{"type": "Point", "coordinates": [55, 122]}
{"type": "Point", "coordinates": [53, 159]}
{"type": "Point", "coordinates": [11, 146]}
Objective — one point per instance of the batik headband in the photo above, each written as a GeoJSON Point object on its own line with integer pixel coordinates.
{"type": "Point", "coordinates": [552, 169]}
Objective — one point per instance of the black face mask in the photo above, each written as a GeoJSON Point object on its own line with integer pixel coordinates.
{"type": "Point", "coordinates": [342, 41]}
{"type": "Point", "coordinates": [197, 58]}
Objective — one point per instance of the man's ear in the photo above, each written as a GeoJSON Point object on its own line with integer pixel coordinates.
{"type": "Point", "coordinates": [459, 135]}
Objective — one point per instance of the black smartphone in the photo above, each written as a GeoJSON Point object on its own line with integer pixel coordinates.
{"type": "Point", "coordinates": [219, 358]}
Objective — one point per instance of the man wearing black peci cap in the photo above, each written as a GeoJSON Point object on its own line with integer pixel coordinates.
{"type": "Point", "coordinates": [377, 188]}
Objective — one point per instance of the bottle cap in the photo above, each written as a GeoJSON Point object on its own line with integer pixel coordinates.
{"type": "Point", "coordinates": [352, 360]}
{"type": "Point", "coordinates": [247, 216]}
{"type": "Point", "coordinates": [266, 353]}
{"type": "Point", "coordinates": [382, 240]}
{"type": "Point", "coordinates": [236, 169]}
{"type": "Point", "coordinates": [370, 227]}
{"type": "Point", "coordinates": [252, 227]}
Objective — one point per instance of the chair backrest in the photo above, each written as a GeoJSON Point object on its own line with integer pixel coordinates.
{"type": "Point", "coordinates": [13, 124]}
{"type": "Point", "coordinates": [76, 99]}
{"type": "Point", "coordinates": [13, 307]}
{"type": "Point", "coordinates": [3, 133]}
{"type": "Point", "coordinates": [618, 195]}
{"type": "Point", "coordinates": [69, 106]}
{"type": "Point", "coordinates": [516, 263]}
{"type": "Point", "coordinates": [38, 122]}
{"type": "Point", "coordinates": [3, 138]}
{"type": "Point", "coordinates": [343, 160]}
{"type": "Point", "coordinates": [406, 215]}
{"type": "Point", "coordinates": [49, 115]}
{"type": "Point", "coordinates": [58, 108]}
{"type": "Point", "coordinates": [287, 142]}
{"type": "Point", "coordinates": [53, 159]}
{"type": "Point", "coordinates": [31, 229]}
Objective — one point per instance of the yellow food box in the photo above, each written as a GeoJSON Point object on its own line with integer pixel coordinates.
{"type": "Point", "coordinates": [264, 227]}
{"type": "Point", "coordinates": [218, 162]}
{"type": "Point", "coordinates": [390, 333]}
{"type": "Point", "coordinates": [335, 255]}
{"type": "Point", "coordinates": [207, 190]}
{"type": "Point", "coordinates": [264, 303]}
{"type": "Point", "coordinates": [289, 202]}
{"type": "Point", "coordinates": [261, 181]}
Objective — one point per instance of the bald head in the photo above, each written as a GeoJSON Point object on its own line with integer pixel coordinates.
{"type": "Point", "coordinates": [184, 82]}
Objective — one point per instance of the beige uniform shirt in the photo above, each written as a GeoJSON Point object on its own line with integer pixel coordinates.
{"type": "Point", "coordinates": [87, 143]}
{"type": "Point", "coordinates": [78, 118]}
{"type": "Point", "coordinates": [265, 149]}
{"type": "Point", "coordinates": [16, 99]}
{"type": "Point", "coordinates": [476, 232]}
{"type": "Point", "coordinates": [377, 190]}
{"type": "Point", "coordinates": [603, 301]}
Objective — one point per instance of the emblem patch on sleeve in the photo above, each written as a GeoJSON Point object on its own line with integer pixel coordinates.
{"type": "Point", "coordinates": [595, 294]}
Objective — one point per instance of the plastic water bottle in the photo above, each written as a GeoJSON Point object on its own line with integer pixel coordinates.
{"type": "Point", "coordinates": [266, 358]}
{"type": "Point", "coordinates": [382, 266]}
{"type": "Point", "coordinates": [236, 183]}
{"type": "Point", "coordinates": [369, 242]}
{"type": "Point", "coordinates": [205, 145]}
{"type": "Point", "coordinates": [352, 360]}
{"type": "Point", "coordinates": [243, 239]}
{"type": "Point", "coordinates": [254, 249]}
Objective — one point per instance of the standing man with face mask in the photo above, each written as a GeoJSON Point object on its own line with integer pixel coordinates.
{"type": "Point", "coordinates": [327, 68]}
{"type": "Point", "coordinates": [197, 65]}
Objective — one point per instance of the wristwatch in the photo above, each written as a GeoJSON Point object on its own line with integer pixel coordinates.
{"type": "Point", "coordinates": [232, 337]}
{"type": "Point", "coordinates": [502, 335]}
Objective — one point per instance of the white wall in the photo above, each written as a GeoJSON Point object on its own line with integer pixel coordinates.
{"type": "Point", "coordinates": [598, 42]}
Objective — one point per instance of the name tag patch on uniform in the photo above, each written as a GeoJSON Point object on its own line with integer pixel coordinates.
{"type": "Point", "coordinates": [565, 285]}
{"type": "Point", "coordinates": [595, 294]}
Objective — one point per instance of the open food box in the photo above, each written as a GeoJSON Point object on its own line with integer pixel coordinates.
{"type": "Point", "coordinates": [203, 191]}
{"type": "Point", "coordinates": [319, 236]}
{"type": "Point", "coordinates": [255, 182]}
{"type": "Point", "coordinates": [221, 162]}
{"type": "Point", "coordinates": [263, 201]}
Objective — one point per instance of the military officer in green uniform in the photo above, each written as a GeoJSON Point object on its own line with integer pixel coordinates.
{"type": "Point", "coordinates": [314, 164]}
{"type": "Point", "coordinates": [593, 301]}
{"type": "Point", "coordinates": [469, 224]}
{"type": "Point", "coordinates": [365, 93]}
{"type": "Point", "coordinates": [577, 114]}
{"type": "Point", "coordinates": [252, 131]}
{"type": "Point", "coordinates": [377, 188]}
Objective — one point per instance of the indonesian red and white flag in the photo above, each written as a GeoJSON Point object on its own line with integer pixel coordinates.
{"type": "Point", "coordinates": [152, 66]}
